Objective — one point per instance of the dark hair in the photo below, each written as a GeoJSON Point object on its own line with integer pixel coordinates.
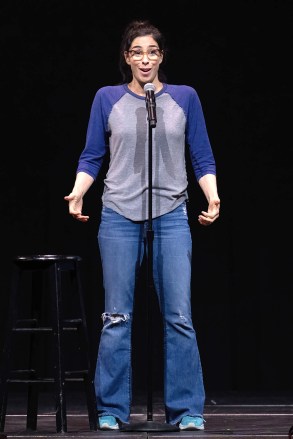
{"type": "Point", "coordinates": [139, 28]}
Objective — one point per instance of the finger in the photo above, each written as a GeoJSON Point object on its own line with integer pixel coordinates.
{"type": "Point", "coordinates": [211, 215]}
{"type": "Point", "coordinates": [80, 217]}
{"type": "Point", "coordinates": [205, 220]}
{"type": "Point", "coordinates": [68, 197]}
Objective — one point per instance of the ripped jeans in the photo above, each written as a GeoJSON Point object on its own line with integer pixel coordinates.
{"type": "Point", "coordinates": [122, 245]}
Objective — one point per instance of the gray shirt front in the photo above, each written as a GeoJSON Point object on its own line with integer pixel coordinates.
{"type": "Point", "coordinates": [123, 118]}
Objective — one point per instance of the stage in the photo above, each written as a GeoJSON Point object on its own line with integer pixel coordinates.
{"type": "Point", "coordinates": [228, 415]}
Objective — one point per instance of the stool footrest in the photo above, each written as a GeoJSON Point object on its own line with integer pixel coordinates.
{"type": "Point", "coordinates": [42, 329]}
{"type": "Point", "coordinates": [67, 373]}
{"type": "Point", "coordinates": [41, 380]}
{"type": "Point", "coordinates": [70, 375]}
{"type": "Point", "coordinates": [29, 325]}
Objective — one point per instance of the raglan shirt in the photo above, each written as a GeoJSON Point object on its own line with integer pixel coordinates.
{"type": "Point", "coordinates": [118, 122]}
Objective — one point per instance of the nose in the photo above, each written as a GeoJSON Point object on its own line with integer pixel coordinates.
{"type": "Point", "coordinates": [145, 58]}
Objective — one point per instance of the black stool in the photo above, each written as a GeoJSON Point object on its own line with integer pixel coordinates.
{"type": "Point", "coordinates": [56, 275]}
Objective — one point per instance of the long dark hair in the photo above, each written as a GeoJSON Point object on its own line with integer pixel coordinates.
{"type": "Point", "coordinates": [139, 28]}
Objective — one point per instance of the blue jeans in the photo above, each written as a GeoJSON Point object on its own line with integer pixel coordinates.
{"type": "Point", "coordinates": [122, 244]}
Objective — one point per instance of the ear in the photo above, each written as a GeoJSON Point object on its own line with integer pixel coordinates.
{"type": "Point", "coordinates": [126, 57]}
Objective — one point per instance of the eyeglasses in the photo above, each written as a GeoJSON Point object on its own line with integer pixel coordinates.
{"type": "Point", "coordinates": [137, 54]}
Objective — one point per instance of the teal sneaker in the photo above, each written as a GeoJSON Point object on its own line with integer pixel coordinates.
{"type": "Point", "coordinates": [108, 423]}
{"type": "Point", "coordinates": [191, 423]}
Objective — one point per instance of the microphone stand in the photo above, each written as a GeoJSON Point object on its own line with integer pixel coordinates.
{"type": "Point", "coordinates": [150, 424]}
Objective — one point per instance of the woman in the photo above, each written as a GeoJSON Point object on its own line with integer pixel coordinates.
{"type": "Point", "coordinates": [119, 122]}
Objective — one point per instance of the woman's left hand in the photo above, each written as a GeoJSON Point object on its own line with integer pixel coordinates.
{"type": "Point", "coordinates": [207, 218]}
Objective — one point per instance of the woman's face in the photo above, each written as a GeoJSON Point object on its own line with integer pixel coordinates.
{"type": "Point", "coordinates": [144, 58]}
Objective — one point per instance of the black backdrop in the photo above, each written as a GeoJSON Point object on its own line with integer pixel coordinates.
{"type": "Point", "coordinates": [54, 56]}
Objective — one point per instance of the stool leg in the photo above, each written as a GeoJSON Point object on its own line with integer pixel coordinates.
{"type": "Point", "coordinates": [32, 407]}
{"type": "Point", "coordinates": [3, 406]}
{"type": "Point", "coordinates": [5, 363]}
{"type": "Point", "coordinates": [88, 379]}
{"type": "Point", "coordinates": [61, 420]}
{"type": "Point", "coordinates": [6, 353]}
{"type": "Point", "coordinates": [34, 352]}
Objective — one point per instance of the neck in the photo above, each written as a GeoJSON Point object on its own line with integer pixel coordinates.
{"type": "Point", "coordinates": [138, 87]}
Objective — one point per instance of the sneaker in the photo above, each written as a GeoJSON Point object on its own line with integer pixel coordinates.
{"type": "Point", "coordinates": [191, 423]}
{"type": "Point", "coordinates": [108, 423]}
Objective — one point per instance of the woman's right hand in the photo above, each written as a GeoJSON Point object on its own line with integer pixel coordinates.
{"type": "Point", "coordinates": [75, 203]}
{"type": "Point", "coordinates": [75, 199]}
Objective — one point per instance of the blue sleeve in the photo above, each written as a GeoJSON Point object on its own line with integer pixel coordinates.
{"type": "Point", "coordinates": [97, 137]}
{"type": "Point", "coordinates": [197, 138]}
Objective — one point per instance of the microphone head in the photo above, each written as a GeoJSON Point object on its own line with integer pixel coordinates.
{"type": "Point", "coordinates": [149, 87]}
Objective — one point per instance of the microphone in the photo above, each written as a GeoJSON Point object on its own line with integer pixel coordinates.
{"type": "Point", "coordinates": [150, 100]}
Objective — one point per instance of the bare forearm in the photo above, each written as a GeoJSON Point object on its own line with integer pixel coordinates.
{"type": "Point", "coordinates": [208, 184]}
{"type": "Point", "coordinates": [82, 184]}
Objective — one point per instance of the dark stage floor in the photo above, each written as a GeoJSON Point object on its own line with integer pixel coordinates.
{"type": "Point", "coordinates": [227, 415]}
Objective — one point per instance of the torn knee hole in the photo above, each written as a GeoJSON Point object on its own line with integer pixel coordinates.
{"type": "Point", "coordinates": [114, 317]}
